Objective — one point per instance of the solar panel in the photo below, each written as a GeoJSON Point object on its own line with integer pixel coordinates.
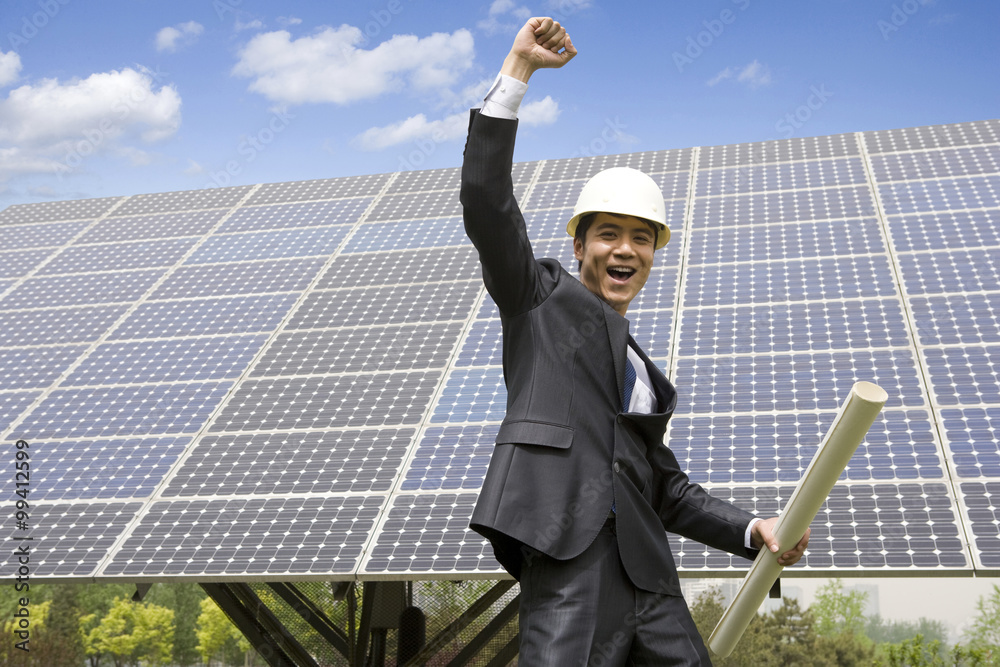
{"type": "Point", "coordinates": [304, 380]}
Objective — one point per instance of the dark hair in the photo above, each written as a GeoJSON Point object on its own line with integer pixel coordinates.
{"type": "Point", "coordinates": [587, 220]}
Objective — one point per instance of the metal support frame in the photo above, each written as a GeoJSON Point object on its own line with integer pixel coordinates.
{"type": "Point", "coordinates": [266, 633]}
{"type": "Point", "coordinates": [362, 644]}
{"type": "Point", "coordinates": [448, 634]}
{"type": "Point", "coordinates": [478, 642]}
{"type": "Point", "coordinates": [313, 615]}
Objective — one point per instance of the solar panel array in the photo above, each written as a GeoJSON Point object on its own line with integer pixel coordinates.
{"type": "Point", "coordinates": [304, 379]}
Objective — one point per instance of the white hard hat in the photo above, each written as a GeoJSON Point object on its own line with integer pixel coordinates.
{"type": "Point", "coordinates": [624, 191]}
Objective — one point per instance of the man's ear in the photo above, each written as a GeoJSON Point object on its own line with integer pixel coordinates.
{"type": "Point", "coordinates": [578, 249]}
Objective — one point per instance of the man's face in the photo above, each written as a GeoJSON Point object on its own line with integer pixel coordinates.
{"type": "Point", "coordinates": [616, 258]}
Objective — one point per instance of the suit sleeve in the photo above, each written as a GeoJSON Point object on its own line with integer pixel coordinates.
{"type": "Point", "coordinates": [492, 218]}
{"type": "Point", "coordinates": [687, 509]}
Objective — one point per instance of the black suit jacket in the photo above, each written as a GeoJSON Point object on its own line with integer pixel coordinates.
{"type": "Point", "coordinates": [566, 451]}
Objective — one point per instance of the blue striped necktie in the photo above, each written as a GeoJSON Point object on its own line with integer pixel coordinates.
{"type": "Point", "coordinates": [629, 383]}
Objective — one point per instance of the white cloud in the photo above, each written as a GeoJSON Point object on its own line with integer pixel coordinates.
{"type": "Point", "coordinates": [753, 75]}
{"type": "Point", "coordinates": [542, 112]}
{"type": "Point", "coordinates": [50, 126]}
{"type": "Point", "coordinates": [193, 168]}
{"type": "Point", "coordinates": [451, 128]}
{"type": "Point", "coordinates": [249, 25]}
{"type": "Point", "coordinates": [329, 67]}
{"type": "Point", "coordinates": [168, 39]}
{"type": "Point", "coordinates": [499, 9]}
{"type": "Point", "coordinates": [721, 76]}
{"type": "Point", "coordinates": [10, 67]}
{"type": "Point", "coordinates": [412, 129]}
{"type": "Point", "coordinates": [289, 20]}
{"type": "Point", "coordinates": [560, 9]}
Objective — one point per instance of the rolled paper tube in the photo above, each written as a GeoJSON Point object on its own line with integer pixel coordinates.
{"type": "Point", "coordinates": [853, 420]}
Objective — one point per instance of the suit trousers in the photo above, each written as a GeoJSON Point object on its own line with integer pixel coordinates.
{"type": "Point", "coordinates": [586, 611]}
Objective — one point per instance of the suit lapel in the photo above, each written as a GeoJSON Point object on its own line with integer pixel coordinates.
{"type": "Point", "coordinates": [617, 327]}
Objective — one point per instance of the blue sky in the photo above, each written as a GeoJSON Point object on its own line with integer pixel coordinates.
{"type": "Point", "coordinates": [116, 98]}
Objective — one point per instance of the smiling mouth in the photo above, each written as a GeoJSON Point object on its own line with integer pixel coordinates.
{"type": "Point", "coordinates": [620, 273]}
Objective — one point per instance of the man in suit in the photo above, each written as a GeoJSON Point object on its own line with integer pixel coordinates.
{"type": "Point", "coordinates": [581, 487]}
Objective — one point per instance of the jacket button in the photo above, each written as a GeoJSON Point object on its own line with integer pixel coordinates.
{"type": "Point", "coordinates": [621, 419]}
{"type": "Point", "coordinates": [617, 467]}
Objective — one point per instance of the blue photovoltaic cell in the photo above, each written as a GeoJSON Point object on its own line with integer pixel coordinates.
{"type": "Point", "coordinates": [70, 539]}
{"type": "Point", "coordinates": [553, 194]}
{"type": "Point", "coordinates": [275, 275]}
{"type": "Point", "coordinates": [184, 360]}
{"type": "Point", "coordinates": [798, 280]}
{"type": "Point", "coordinates": [184, 200]}
{"type": "Point", "coordinates": [17, 263]}
{"type": "Point", "coordinates": [652, 330]}
{"type": "Point", "coordinates": [936, 164]}
{"type": "Point", "coordinates": [74, 290]}
{"type": "Point", "coordinates": [248, 314]}
{"type": "Point", "coordinates": [187, 223]}
{"type": "Point", "coordinates": [302, 214]}
{"type": "Point", "coordinates": [119, 256]}
{"type": "Point", "coordinates": [323, 402]}
{"type": "Point", "coordinates": [659, 292]}
{"type": "Point", "coordinates": [800, 205]}
{"type": "Point", "coordinates": [560, 249]}
{"type": "Point", "coordinates": [39, 235]}
{"type": "Point", "coordinates": [12, 404]}
{"type": "Point", "coordinates": [793, 382]}
{"type": "Point", "coordinates": [414, 205]}
{"type": "Point", "coordinates": [62, 325]}
{"type": "Point", "coordinates": [960, 319]}
{"type": "Point", "coordinates": [933, 136]}
{"type": "Point", "coordinates": [972, 437]}
{"type": "Point", "coordinates": [126, 468]}
{"type": "Point", "coordinates": [270, 245]}
{"type": "Point", "coordinates": [408, 234]}
{"type": "Point", "coordinates": [103, 412]}
{"type": "Point", "coordinates": [983, 502]}
{"type": "Point", "coordinates": [786, 241]}
{"type": "Point", "coordinates": [35, 367]}
{"type": "Point", "coordinates": [472, 395]}
{"type": "Point", "coordinates": [292, 463]}
{"type": "Point", "coordinates": [859, 527]}
{"type": "Point", "coordinates": [967, 375]}
{"type": "Point", "coordinates": [777, 150]}
{"type": "Point", "coordinates": [793, 327]}
{"type": "Point", "coordinates": [549, 224]}
{"type": "Point", "coordinates": [362, 349]}
{"type": "Point", "coordinates": [950, 194]}
{"type": "Point", "coordinates": [430, 533]}
{"type": "Point", "coordinates": [650, 162]}
{"type": "Point", "coordinates": [767, 448]}
{"type": "Point", "coordinates": [402, 304]}
{"type": "Point", "coordinates": [249, 536]}
{"type": "Point", "coordinates": [957, 271]}
{"type": "Point", "coordinates": [451, 458]}
{"type": "Point", "coordinates": [787, 176]}
{"type": "Point", "coordinates": [483, 345]}
{"type": "Point", "coordinates": [325, 188]}
{"type": "Point", "coordinates": [402, 267]}
{"type": "Point", "coordinates": [945, 229]}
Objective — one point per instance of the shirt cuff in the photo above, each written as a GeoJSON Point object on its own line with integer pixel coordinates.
{"type": "Point", "coordinates": [504, 97]}
{"type": "Point", "coordinates": [746, 536]}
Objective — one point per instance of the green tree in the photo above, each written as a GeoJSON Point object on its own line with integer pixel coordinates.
{"type": "Point", "coordinates": [131, 633]}
{"type": "Point", "coordinates": [882, 631]}
{"type": "Point", "coordinates": [218, 638]}
{"type": "Point", "coordinates": [984, 635]}
{"type": "Point", "coordinates": [839, 612]}
{"type": "Point", "coordinates": [184, 599]}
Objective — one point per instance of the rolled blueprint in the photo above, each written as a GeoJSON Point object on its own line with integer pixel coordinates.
{"type": "Point", "coordinates": [847, 431]}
